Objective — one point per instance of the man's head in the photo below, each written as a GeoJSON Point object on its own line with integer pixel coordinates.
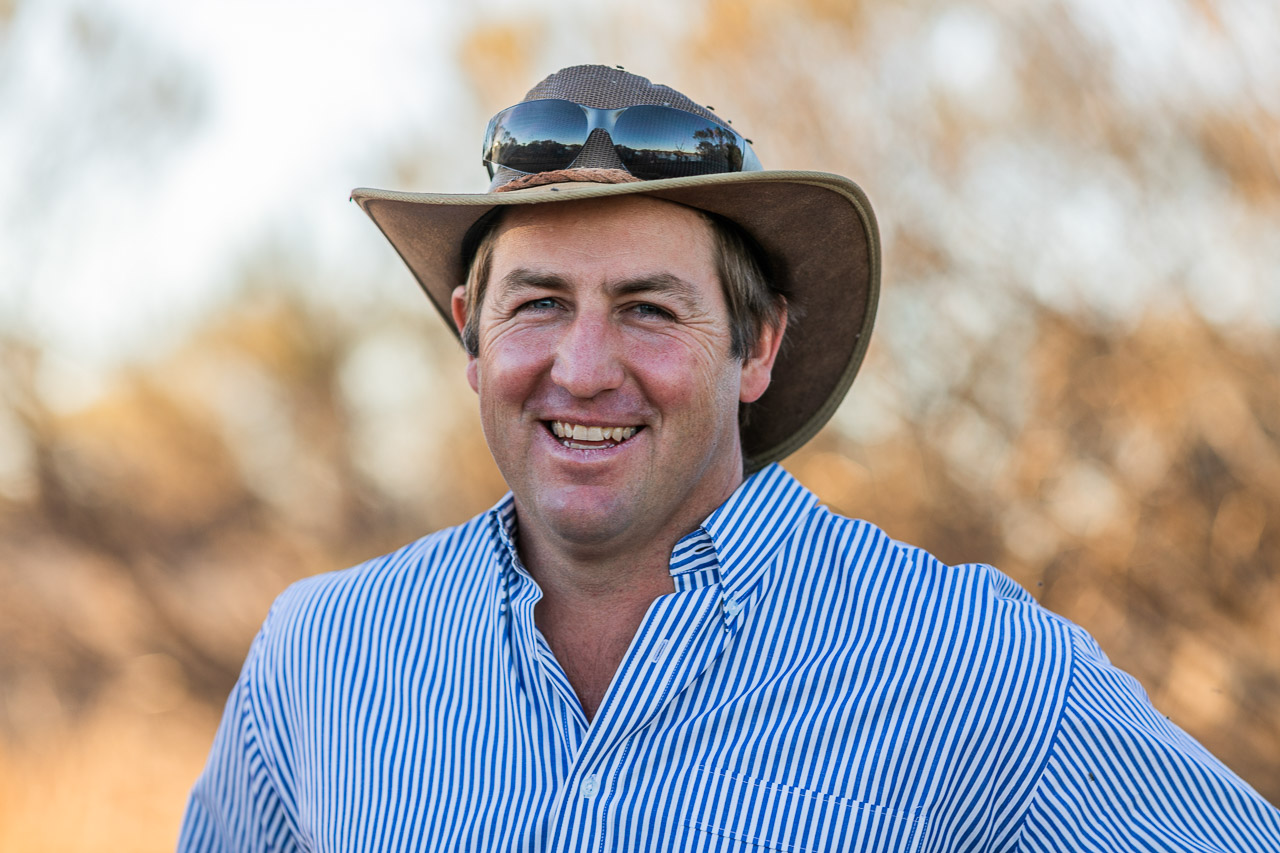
{"type": "Point", "coordinates": [609, 386]}
{"type": "Point", "coordinates": [591, 132]}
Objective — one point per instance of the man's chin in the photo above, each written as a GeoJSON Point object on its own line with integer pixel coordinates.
{"type": "Point", "coordinates": [586, 514]}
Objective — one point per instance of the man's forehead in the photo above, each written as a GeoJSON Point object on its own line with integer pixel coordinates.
{"type": "Point", "coordinates": [602, 215]}
{"type": "Point", "coordinates": [649, 236]}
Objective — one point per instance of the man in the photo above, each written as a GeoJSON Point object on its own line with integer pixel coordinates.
{"type": "Point", "coordinates": [659, 640]}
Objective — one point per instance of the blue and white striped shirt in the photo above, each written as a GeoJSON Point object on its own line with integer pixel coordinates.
{"type": "Point", "coordinates": [811, 685]}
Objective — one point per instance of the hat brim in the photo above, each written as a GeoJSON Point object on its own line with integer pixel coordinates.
{"type": "Point", "coordinates": [817, 229]}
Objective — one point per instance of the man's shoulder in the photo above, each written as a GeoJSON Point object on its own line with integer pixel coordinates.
{"type": "Point", "coordinates": [1028, 697]}
{"type": "Point", "coordinates": [864, 547]}
{"type": "Point", "coordinates": [448, 564]}
{"type": "Point", "coordinates": [879, 571]}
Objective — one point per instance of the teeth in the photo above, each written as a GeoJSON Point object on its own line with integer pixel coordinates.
{"type": "Point", "coordinates": [578, 432]}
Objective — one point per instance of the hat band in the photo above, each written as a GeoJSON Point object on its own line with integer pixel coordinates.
{"type": "Point", "coordinates": [568, 176]}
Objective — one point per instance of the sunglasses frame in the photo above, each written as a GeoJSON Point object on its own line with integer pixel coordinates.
{"type": "Point", "coordinates": [607, 120]}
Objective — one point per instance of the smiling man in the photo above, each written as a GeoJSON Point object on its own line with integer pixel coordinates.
{"type": "Point", "coordinates": [659, 640]}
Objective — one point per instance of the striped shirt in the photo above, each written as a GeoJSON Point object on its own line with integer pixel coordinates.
{"type": "Point", "coordinates": [811, 685]}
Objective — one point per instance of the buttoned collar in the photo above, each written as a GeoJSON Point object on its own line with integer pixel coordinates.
{"type": "Point", "coordinates": [734, 546]}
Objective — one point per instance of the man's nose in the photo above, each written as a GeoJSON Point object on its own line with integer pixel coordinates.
{"type": "Point", "coordinates": [587, 362]}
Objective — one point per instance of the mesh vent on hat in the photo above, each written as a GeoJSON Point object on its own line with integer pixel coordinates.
{"type": "Point", "coordinates": [598, 153]}
{"type": "Point", "coordinates": [612, 88]}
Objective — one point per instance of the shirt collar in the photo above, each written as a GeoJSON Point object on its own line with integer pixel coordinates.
{"type": "Point", "coordinates": [734, 546]}
{"type": "Point", "coordinates": [747, 530]}
{"type": "Point", "coordinates": [502, 525]}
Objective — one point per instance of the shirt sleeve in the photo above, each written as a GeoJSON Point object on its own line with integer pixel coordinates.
{"type": "Point", "coordinates": [236, 803]}
{"type": "Point", "coordinates": [1120, 776]}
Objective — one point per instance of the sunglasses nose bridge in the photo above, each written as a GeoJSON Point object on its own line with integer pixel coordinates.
{"type": "Point", "coordinates": [598, 119]}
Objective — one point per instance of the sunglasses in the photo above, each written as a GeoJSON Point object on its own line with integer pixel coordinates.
{"type": "Point", "coordinates": [652, 141]}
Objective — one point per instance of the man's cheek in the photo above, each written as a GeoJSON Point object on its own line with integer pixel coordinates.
{"type": "Point", "coordinates": [473, 373]}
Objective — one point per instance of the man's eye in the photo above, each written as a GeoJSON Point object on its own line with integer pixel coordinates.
{"type": "Point", "coordinates": [649, 310]}
{"type": "Point", "coordinates": [542, 304]}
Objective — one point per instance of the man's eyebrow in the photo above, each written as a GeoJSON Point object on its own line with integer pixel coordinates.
{"type": "Point", "coordinates": [523, 278]}
{"type": "Point", "coordinates": [663, 284]}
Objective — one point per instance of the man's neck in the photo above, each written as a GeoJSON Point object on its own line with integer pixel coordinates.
{"type": "Point", "coordinates": [595, 593]}
{"type": "Point", "coordinates": [591, 609]}
{"type": "Point", "coordinates": [595, 596]}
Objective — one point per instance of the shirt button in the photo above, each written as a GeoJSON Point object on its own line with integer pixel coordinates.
{"type": "Point", "coordinates": [590, 786]}
{"type": "Point", "coordinates": [732, 608]}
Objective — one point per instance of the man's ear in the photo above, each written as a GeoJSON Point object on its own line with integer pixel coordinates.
{"type": "Point", "coordinates": [458, 307]}
{"type": "Point", "coordinates": [757, 368]}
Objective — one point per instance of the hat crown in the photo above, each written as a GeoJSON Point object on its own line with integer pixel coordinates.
{"type": "Point", "coordinates": [605, 88]}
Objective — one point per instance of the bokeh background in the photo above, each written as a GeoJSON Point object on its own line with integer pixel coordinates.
{"type": "Point", "coordinates": [215, 378]}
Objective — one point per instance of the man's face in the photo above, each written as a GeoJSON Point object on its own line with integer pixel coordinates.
{"type": "Point", "coordinates": [607, 393]}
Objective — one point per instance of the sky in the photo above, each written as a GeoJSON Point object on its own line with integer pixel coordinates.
{"type": "Point", "coordinates": [288, 107]}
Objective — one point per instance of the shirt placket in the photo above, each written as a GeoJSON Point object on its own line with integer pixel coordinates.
{"type": "Point", "coordinates": [543, 677]}
{"type": "Point", "coordinates": [681, 635]}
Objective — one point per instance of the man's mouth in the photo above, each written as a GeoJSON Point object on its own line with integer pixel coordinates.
{"type": "Point", "coordinates": [580, 437]}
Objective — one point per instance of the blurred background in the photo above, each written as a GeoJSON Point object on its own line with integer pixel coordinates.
{"type": "Point", "coordinates": [216, 378]}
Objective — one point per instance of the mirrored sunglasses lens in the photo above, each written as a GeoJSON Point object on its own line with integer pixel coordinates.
{"type": "Point", "coordinates": [537, 136]}
{"type": "Point", "coordinates": [662, 142]}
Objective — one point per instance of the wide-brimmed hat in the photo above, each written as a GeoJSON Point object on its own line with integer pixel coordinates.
{"type": "Point", "coordinates": [817, 231]}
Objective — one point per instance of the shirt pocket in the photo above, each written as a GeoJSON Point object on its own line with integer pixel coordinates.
{"type": "Point", "coordinates": [755, 814]}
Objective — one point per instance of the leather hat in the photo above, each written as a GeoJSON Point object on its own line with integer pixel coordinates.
{"type": "Point", "coordinates": [816, 230]}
